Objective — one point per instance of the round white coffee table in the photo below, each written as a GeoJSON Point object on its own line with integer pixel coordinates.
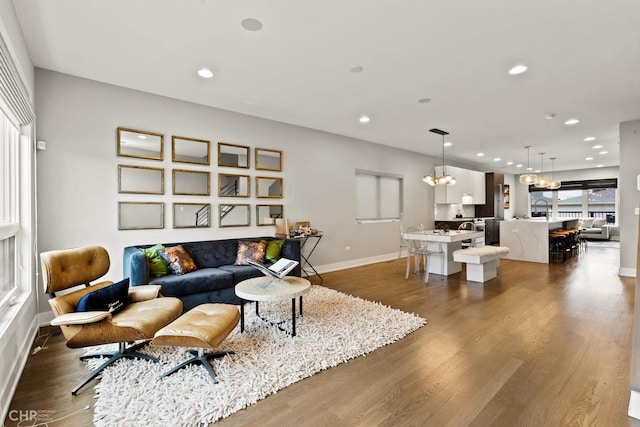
{"type": "Point", "coordinates": [270, 289]}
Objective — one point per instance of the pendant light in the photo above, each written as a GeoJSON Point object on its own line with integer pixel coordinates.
{"type": "Point", "coordinates": [444, 179]}
{"type": "Point", "coordinates": [528, 178]}
{"type": "Point", "coordinates": [541, 182]}
{"type": "Point", "coordinates": [554, 184]}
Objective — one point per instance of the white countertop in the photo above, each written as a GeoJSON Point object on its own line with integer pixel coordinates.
{"type": "Point", "coordinates": [440, 236]}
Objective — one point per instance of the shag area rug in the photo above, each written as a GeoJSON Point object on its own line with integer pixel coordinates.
{"type": "Point", "coordinates": [335, 328]}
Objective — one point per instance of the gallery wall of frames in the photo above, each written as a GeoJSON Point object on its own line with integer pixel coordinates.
{"type": "Point", "coordinates": [239, 174]}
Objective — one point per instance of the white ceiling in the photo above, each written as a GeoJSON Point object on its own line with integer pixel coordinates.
{"type": "Point", "coordinates": [583, 58]}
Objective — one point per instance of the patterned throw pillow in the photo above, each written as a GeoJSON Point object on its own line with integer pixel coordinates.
{"type": "Point", "coordinates": [179, 260]}
{"type": "Point", "coordinates": [251, 251]}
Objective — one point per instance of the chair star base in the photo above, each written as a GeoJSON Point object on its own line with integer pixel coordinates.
{"type": "Point", "coordinates": [123, 351]}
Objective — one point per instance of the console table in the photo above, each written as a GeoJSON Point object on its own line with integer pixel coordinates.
{"type": "Point", "coordinates": [306, 266]}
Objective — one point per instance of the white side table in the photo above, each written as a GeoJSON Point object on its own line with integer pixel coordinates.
{"type": "Point", "coordinates": [270, 289]}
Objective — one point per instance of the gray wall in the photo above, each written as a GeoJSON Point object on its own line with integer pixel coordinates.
{"type": "Point", "coordinates": [77, 174]}
{"type": "Point", "coordinates": [629, 196]}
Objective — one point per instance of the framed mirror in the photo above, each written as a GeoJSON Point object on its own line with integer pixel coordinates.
{"type": "Point", "coordinates": [267, 214]}
{"type": "Point", "coordinates": [191, 215]}
{"type": "Point", "coordinates": [190, 150]}
{"type": "Point", "coordinates": [140, 180]}
{"type": "Point", "coordinates": [140, 215]}
{"type": "Point", "coordinates": [232, 155]}
{"type": "Point", "coordinates": [267, 187]}
{"type": "Point", "coordinates": [268, 160]}
{"type": "Point", "coordinates": [234, 215]}
{"type": "Point", "coordinates": [140, 144]}
{"type": "Point", "coordinates": [230, 185]}
{"type": "Point", "coordinates": [191, 183]}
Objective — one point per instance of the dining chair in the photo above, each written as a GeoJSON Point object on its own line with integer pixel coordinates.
{"type": "Point", "coordinates": [418, 249]}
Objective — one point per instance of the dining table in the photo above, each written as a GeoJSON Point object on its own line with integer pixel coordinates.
{"type": "Point", "coordinates": [444, 243]}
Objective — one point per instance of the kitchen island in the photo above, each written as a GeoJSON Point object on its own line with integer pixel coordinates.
{"type": "Point", "coordinates": [445, 242]}
{"type": "Point", "coordinates": [528, 239]}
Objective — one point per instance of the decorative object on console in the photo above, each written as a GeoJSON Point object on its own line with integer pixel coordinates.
{"type": "Point", "coordinates": [528, 178]}
{"type": "Point", "coordinates": [445, 179]}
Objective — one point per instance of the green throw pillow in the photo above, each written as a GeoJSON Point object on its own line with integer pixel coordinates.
{"type": "Point", "coordinates": [274, 247]}
{"type": "Point", "coordinates": [157, 265]}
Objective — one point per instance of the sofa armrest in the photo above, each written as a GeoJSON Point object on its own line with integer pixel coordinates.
{"type": "Point", "coordinates": [80, 318]}
{"type": "Point", "coordinates": [143, 292]}
{"type": "Point", "coordinates": [291, 250]}
{"type": "Point", "coordinates": [134, 266]}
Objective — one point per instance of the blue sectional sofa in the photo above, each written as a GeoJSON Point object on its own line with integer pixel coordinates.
{"type": "Point", "coordinates": [216, 276]}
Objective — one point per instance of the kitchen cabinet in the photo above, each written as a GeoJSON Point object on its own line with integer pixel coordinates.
{"type": "Point", "coordinates": [494, 197]}
{"type": "Point", "coordinates": [468, 183]}
{"type": "Point", "coordinates": [491, 231]}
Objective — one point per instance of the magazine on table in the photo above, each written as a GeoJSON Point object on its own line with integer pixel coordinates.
{"type": "Point", "coordinates": [277, 270]}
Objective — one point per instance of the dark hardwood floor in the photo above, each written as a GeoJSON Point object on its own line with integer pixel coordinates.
{"type": "Point", "coordinates": [541, 345]}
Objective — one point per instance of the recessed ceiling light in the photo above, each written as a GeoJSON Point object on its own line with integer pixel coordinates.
{"type": "Point", "coordinates": [509, 163]}
{"type": "Point", "coordinates": [142, 137]}
{"type": "Point", "coordinates": [357, 69]}
{"type": "Point", "coordinates": [251, 24]}
{"type": "Point", "coordinates": [603, 152]}
{"type": "Point", "coordinates": [550, 116]}
{"type": "Point", "coordinates": [588, 158]}
{"type": "Point", "coordinates": [518, 165]}
{"type": "Point", "coordinates": [590, 138]}
{"type": "Point", "coordinates": [497, 159]}
{"type": "Point", "coordinates": [364, 119]}
{"type": "Point", "coordinates": [599, 166]}
{"type": "Point", "coordinates": [424, 100]}
{"type": "Point", "coordinates": [448, 144]}
{"type": "Point", "coordinates": [518, 69]}
{"type": "Point", "coordinates": [480, 154]}
{"type": "Point", "coordinates": [205, 73]}
{"type": "Point", "coordinates": [572, 122]}
{"type": "Point", "coordinates": [595, 147]}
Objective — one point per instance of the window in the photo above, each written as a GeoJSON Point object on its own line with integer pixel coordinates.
{"type": "Point", "coordinates": [9, 221]}
{"type": "Point", "coordinates": [578, 199]}
{"type": "Point", "coordinates": [378, 196]}
{"type": "Point", "coordinates": [570, 204]}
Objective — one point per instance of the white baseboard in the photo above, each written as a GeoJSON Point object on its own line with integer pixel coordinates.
{"type": "Point", "coordinates": [356, 262]}
{"type": "Point", "coordinates": [627, 272]}
{"type": "Point", "coordinates": [634, 404]}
